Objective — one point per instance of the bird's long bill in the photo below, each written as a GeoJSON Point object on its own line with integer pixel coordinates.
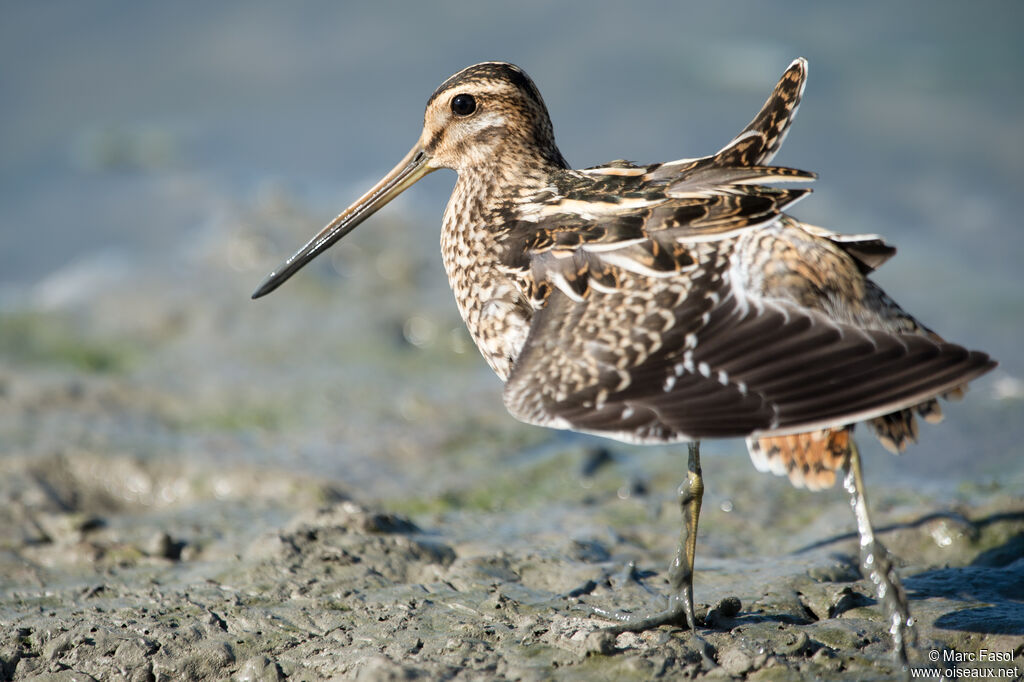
{"type": "Point", "coordinates": [413, 167]}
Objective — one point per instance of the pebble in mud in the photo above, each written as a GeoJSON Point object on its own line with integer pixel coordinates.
{"type": "Point", "coordinates": [594, 460]}
{"type": "Point", "coordinates": [258, 669]}
{"type": "Point", "coordinates": [721, 616]}
{"type": "Point", "coordinates": [735, 661]}
{"type": "Point", "coordinates": [600, 642]}
{"type": "Point", "coordinates": [162, 546]}
{"type": "Point", "coordinates": [132, 653]}
{"type": "Point", "coordinates": [845, 599]}
{"type": "Point", "coordinates": [206, 660]}
{"type": "Point", "coordinates": [794, 644]}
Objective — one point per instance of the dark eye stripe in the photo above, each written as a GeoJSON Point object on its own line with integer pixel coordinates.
{"type": "Point", "coordinates": [435, 139]}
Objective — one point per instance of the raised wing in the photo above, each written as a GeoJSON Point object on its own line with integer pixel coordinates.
{"type": "Point", "coordinates": [590, 225]}
{"type": "Point", "coordinates": [641, 332]}
{"type": "Point", "coordinates": [761, 139]}
{"type": "Point", "coordinates": [574, 244]}
{"type": "Point", "coordinates": [696, 360]}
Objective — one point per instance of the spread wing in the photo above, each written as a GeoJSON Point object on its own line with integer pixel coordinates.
{"type": "Point", "coordinates": [700, 360]}
{"type": "Point", "coordinates": [641, 334]}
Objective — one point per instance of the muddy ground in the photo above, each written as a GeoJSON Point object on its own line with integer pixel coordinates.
{"type": "Point", "coordinates": [324, 485]}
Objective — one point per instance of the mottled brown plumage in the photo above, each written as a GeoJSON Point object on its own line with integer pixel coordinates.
{"type": "Point", "coordinates": [672, 301]}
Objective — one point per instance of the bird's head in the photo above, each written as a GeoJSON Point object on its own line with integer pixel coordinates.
{"type": "Point", "coordinates": [485, 114]}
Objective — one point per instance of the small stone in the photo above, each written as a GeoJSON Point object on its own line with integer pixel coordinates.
{"type": "Point", "coordinates": [594, 460]}
{"type": "Point", "coordinates": [206, 661]}
{"type": "Point", "coordinates": [846, 599]}
{"type": "Point", "coordinates": [384, 522]}
{"type": "Point", "coordinates": [735, 661]}
{"type": "Point", "coordinates": [599, 642]}
{"type": "Point", "coordinates": [68, 528]}
{"type": "Point", "coordinates": [797, 645]}
{"type": "Point", "coordinates": [132, 653]}
{"type": "Point", "coordinates": [591, 551]}
{"type": "Point", "coordinates": [826, 658]}
{"type": "Point", "coordinates": [258, 669]}
{"type": "Point", "coordinates": [721, 616]}
{"type": "Point", "coordinates": [163, 546]}
{"type": "Point", "coordinates": [160, 545]}
{"type": "Point", "coordinates": [143, 673]}
{"type": "Point", "coordinates": [730, 606]}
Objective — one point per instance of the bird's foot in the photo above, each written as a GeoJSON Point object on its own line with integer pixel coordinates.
{"type": "Point", "coordinates": [675, 614]}
{"type": "Point", "coordinates": [879, 569]}
{"type": "Point", "coordinates": [678, 613]}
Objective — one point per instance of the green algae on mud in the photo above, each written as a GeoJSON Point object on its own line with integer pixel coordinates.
{"type": "Point", "coordinates": [49, 339]}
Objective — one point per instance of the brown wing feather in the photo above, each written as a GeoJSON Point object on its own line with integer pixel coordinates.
{"type": "Point", "coordinates": [761, 139]}
{"type": "Point", "coordinates": [719, 368]}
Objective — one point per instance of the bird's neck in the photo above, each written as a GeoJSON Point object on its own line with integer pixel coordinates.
{"type": "Point", "coordinates": [487, 197]}
{"type": "Point", "coordinates": [492, 297]}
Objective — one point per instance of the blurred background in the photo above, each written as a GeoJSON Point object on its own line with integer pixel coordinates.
{"type": "Point", "coordinates": [158, 159]}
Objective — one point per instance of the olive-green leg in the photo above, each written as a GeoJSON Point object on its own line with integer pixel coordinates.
{"type": "Point", "coordinates": [680, 601]}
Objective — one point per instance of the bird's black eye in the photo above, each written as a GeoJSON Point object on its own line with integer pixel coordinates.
{"type": "Point", "coordinates": [463, 105]}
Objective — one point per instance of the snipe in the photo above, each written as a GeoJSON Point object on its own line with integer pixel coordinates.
{"type": "Point", "coordinates": [671, 302]}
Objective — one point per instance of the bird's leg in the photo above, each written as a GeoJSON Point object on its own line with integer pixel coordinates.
{"type": "Point", "coordinates": [877, 564]}
{"type": "Point", "coordinates": [680, 602]}
{"type": "Point", "coordinates": [680, 575]}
